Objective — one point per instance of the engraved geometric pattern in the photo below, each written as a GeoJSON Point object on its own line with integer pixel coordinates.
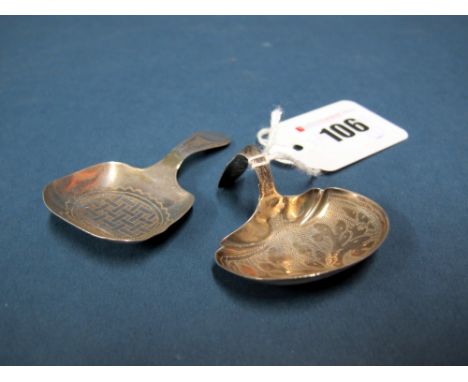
{"type": "Point", "coordinates": [306, 244]}
{"type": "Point", "coordinates": [124, 213]}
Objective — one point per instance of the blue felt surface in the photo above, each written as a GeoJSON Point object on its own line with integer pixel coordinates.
{"type": "Point", "coordinates": [77, 91]}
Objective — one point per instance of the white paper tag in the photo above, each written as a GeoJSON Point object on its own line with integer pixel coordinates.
{"type": "Point", "coordinates": [331, 137]}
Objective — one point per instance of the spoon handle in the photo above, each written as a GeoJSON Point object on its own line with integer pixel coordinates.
{"type": "Point", "coordinates": [199, 141]}
{"type": "Point", "coordinates": [236, 167]}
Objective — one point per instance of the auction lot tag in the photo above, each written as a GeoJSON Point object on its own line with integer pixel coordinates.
{"type": "Point", "coordinates": [331, 137]}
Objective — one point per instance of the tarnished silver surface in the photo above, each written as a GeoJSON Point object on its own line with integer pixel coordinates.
{"type": "Point", "coordinates": [118, 202]}
{"type": "Point", "coordinates": [299, 238]}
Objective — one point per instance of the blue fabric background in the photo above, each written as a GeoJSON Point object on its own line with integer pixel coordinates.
{"type": "Point", "coordinates": [76, 91]}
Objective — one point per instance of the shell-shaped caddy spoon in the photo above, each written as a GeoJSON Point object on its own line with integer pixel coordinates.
{"type": "Point", "coordinates": [118, 202]}
{"type": "Point", "coordinates": [300, 238]}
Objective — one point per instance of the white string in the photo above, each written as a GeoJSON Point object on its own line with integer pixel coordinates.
{"type": "Point", "coordinates": [275, 119]}
{"type": "Point", "coordinates": [271, 132]}
{"type": "Point", "coordinates": [270, 153]}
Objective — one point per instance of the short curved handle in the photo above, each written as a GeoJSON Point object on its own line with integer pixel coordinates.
{"type": "Point", "coordinates": [237, 166]}
{"type": "Point", "coordinates": [199, 141]}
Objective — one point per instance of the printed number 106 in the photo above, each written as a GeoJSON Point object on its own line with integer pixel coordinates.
{"type": "Point", "coordinates": [346, 130]}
